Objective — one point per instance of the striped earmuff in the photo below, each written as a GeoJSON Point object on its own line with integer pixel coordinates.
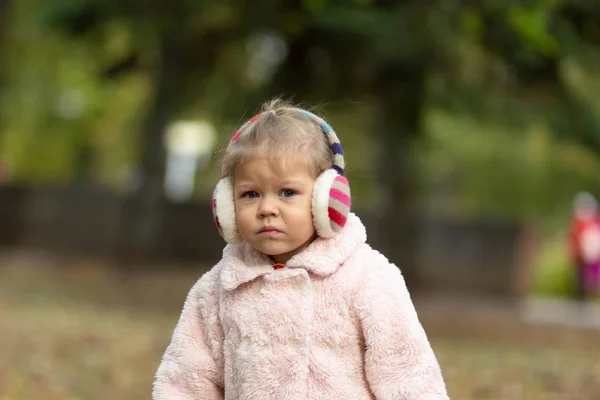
{"type": "Point", "coordinates": [331, 198]}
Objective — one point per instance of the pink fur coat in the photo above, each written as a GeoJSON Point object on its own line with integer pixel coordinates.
{"type": "Point", "coordinates": [336, 323]}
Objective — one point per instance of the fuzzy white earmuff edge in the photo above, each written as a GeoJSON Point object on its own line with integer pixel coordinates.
{"type": "Point", "coordinates": [225, 210]}
{"type": "Point", "coordinates": [320, 203]}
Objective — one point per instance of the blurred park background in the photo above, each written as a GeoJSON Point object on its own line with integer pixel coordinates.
{"type": "Point", "coordinates": [469, 125]}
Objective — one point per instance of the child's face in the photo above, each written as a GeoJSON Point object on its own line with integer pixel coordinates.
{"type": "Point", "coordinates": [273, 206]}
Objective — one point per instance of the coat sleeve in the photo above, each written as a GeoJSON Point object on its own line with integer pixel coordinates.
{"type": "Point", "coordinates": [399, 361]}
{"type": "Point", "coordinates": [192, 367]}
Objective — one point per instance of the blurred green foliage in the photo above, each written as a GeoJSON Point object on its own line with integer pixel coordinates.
{"type": "Point", "coordinates": [485, 109]}
{"type": "Point", "coordinates": [496, 172]}
{"type": "Point", "coordinates": [555, 273]}
{"type": "Point", "coordinates": [80, 76]}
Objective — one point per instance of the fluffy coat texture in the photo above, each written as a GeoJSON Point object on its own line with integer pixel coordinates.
{"type": "Point", "coordinates": [336, 323]}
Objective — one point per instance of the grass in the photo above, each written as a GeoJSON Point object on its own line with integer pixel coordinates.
{"type": "Point", "coordinates": [92, 334]}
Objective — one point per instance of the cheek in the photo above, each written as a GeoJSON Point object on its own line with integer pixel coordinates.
{"type": "Point", "coordinates": [242, 213]}
{"type": "Point", "coordinates": [303, 216]}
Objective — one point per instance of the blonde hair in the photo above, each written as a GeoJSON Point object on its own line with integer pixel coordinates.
{"type": "Point", "coordinates": [280, 130]}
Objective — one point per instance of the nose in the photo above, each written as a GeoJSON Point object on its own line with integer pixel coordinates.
{"type": "Point", "coordinates": [268, 207]}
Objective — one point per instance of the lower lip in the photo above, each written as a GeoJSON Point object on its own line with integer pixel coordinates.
{"type": "Point", "coordinates": [270, 233]}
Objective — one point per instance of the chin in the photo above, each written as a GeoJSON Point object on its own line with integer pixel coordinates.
{"type": "Point", "coordinates": [276, 252]}
{"type": "Point", "coordinates": [273, 252]}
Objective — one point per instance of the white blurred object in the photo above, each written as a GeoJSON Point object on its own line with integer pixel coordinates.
{"type": "Point", "coordinates": [585, 205]}
{"type": "Point", "coordinates": [267, 51]}
{"type": "Point", "coordinates": [186, 142]}
{"type": "Point", "coordinates": [71, 104]}
{"type": "Point", "coordinates": [590, 244]}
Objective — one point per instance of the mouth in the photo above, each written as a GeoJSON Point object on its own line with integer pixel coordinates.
{"type": "Point", "coordinates": [269, 230]}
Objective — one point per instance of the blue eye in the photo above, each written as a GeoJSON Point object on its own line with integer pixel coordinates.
{"type": "Point", "coordinates": [288, 192]}
{"type": "Point", "coordinates": [250, 194]}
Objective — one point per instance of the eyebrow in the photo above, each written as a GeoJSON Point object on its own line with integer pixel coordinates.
{"type": "Point", "coordinates": [292, 182]}
{"type": "Point", "coordinates": [244, 184]}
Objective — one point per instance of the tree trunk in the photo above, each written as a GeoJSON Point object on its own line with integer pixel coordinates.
{"type": "Point", "coordinates": [400, 94]}
{"type": "Point", "coordinates": [143, 213]}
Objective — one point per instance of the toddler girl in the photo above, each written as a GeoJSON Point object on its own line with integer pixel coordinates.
{"type": "Point", "coordinates": [299, 307]}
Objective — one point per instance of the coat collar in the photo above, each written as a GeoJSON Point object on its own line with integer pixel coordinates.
{"type": "Point", "coordinates": [242, 263]}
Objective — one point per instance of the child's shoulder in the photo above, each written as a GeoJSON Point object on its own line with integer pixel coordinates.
{"type": "Point", "coordinates": [370, 263]}
{"type": "Point", "coordinates": [208, 283]}
{"type": "Point", "coordinates": [363, 258]}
